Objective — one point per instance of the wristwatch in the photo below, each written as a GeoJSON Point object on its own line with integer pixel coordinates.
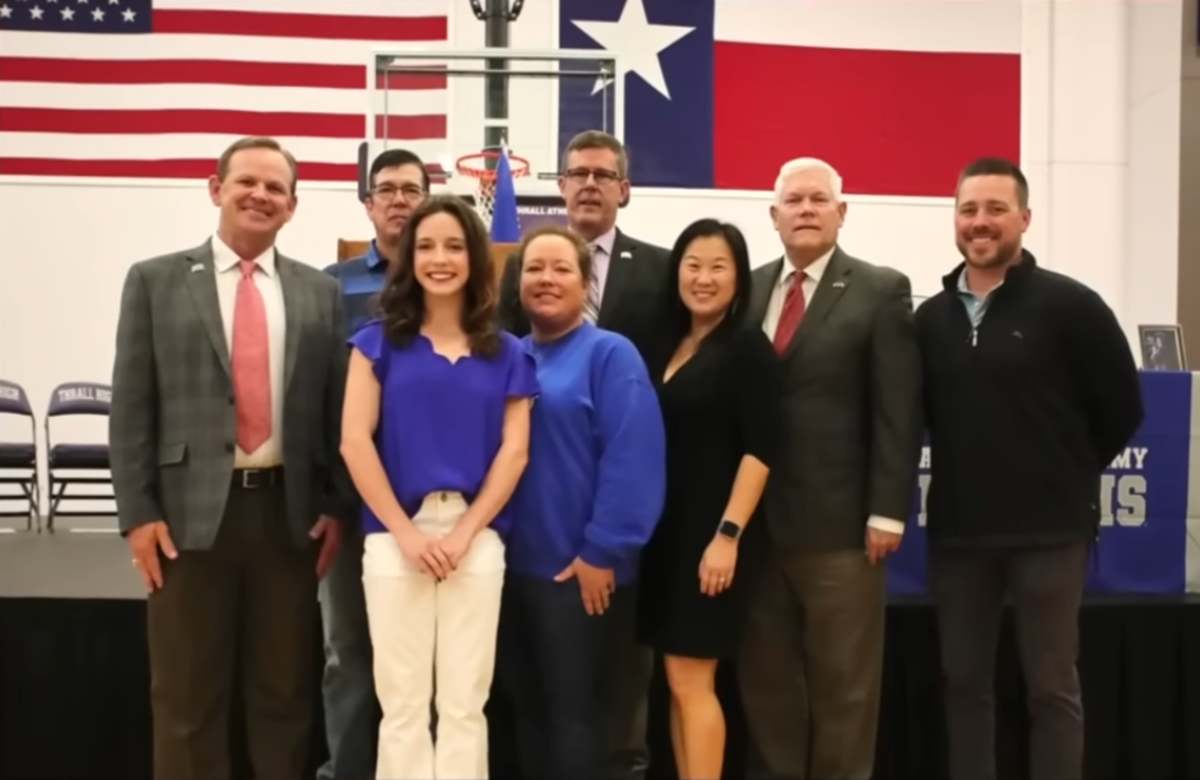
{"type": "Point", "coordinates": [729, 529]}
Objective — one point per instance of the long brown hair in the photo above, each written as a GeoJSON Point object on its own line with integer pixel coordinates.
{"type": "Point", "coordinates": [402, 300]}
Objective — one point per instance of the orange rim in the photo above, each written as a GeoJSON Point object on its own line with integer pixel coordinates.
{"type": "Point", "coordinates": [465, 165]}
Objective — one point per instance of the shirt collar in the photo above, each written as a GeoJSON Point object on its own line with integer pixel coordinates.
{"type": "Point", "coordinates": [814, 271]}
{"type": "Point", "coordinates": [374, 259]}
{"type": "Point", "coordinates": [225, 259]}
{"type": "Point", "coordinates": [605, 241]}
{"type": "Point", "coordinates": [963, 289]}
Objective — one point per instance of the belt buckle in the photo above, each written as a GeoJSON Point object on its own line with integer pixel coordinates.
{"type": "Point", "coordinates": [247, 483]}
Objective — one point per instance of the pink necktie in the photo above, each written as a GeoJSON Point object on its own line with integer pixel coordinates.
{"type": "Point", "coordinates": [251, 362]}
{"type": "Point", "coordinates": [793, 312]}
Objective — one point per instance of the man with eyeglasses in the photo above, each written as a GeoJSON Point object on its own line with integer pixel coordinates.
{"type": "Point", "coordinates": [398, 183]}
{"type": "Point", "coordinates": [625, 295]}
{"type": "Point", "coordinates": [625, 291]}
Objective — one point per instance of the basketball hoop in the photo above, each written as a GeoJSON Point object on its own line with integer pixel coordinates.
{"type": "Point", "coordinates": [476, 167]}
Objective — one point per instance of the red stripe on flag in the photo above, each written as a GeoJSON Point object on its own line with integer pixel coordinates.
{"type": "Point", "coordinates": [220, 72]}
{"type": "Point", "coordinates": [155, 169]}
{"type": "Point", "coordinates": [293, 25]}
{"type": "Point", "coordinates": [49, 70]}
{"type": "Point", "coordinates": [891, 122]}
{"type": "Point", "coordinates": [283, 124]}
{"type": "Point", "coordinates": [412, 81]}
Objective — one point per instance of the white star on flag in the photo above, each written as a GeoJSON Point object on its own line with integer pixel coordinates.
{"type": "Point", "coordinates": [637, 44]}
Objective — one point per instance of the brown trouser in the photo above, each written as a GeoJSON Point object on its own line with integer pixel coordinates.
{"type": "Point", "coordinates": [811, 666]}
{"type": "Point", "coordinates": [1046, 587]}
{"type": "Point", "coordinates": [250, 601]}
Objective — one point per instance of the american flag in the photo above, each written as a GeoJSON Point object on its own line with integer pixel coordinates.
{"type": "Point", "coordinates": [158, 88]}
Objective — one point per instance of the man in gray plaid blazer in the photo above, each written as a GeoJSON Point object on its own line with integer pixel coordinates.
{"type": "Point", "coordinates": [227, 395]}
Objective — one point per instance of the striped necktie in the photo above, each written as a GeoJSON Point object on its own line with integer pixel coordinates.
{"type": "Point", "coordinates": [591, 304]}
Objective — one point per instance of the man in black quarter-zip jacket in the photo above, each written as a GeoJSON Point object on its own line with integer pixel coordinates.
{"type": "Point", "coordinates": [1031, 390]}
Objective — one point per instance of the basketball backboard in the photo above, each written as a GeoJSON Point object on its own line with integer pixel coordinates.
{"type": "Point", "coordinates": [450, 105]}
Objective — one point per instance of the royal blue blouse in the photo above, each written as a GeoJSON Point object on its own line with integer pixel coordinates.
{"type": "Point", "coordinates": [441, 423]}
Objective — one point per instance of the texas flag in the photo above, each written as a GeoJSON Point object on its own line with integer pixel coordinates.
{"type": "Point", "coordinates": [898, 95]}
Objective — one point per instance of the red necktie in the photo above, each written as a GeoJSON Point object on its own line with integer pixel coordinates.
{"type": "Point", "coordinates": [793, 312]}
{"type": "Point", "coordinates": [251, 362]}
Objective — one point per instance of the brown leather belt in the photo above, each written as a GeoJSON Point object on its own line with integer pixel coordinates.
{"type": "Point", "coordinates": [257, 479]}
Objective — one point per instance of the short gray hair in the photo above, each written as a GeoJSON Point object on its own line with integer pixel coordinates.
{"type": "Point", "coordinates": [807, 164]}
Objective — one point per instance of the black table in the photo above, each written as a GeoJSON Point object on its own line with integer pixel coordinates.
{"type": "Point", "coordinates": [74, 690]}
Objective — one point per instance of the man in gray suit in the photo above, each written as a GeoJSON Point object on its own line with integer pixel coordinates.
{"type": "Point", "coordinates": [835, 506]}
{"type": "Point", "coordinates": [227, 394]}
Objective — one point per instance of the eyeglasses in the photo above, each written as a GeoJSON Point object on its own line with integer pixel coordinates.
{"type": "Point", "coordinates": [601, 175]}
{"type": "Point", "coordinates": [386, 193]}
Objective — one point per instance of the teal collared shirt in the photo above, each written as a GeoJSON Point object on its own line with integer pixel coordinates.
{"type": "Point", "coordinates": [976, 306]}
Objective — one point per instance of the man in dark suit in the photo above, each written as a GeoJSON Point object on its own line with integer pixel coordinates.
{"type": "Point", "coordinates": [835, 506]}
{"type": "Point", "coordinates": [626, 294]}
{"type": "Point", "coordinates": [227, 394]}
{"type": "Point", "coordinates": [626, 291]}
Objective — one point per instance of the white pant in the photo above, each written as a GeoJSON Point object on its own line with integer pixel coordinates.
{"type": "Point", "coordinates": [420, 626]}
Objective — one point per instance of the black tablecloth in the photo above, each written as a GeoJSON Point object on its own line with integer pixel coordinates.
{"type": "Point", "coordinates": [74, 690]}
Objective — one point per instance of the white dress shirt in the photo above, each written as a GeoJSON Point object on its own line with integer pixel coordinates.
{"type": "Point", "coordinates": [814, 272]}
{"type": "Point", "coordinates": [266, 278]}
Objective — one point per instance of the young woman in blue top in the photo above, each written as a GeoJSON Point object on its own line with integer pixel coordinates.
{"type": "Point", "coordinates": [435, 434]}
{"type": "Point", "coordinates": [587, 503]}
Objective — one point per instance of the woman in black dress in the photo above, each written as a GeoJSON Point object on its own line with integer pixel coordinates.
{"type": "Point", "coordinates": [718, 381]}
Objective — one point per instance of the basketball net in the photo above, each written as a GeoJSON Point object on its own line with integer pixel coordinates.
{"type": "Point", "coordinates": [483, 166]}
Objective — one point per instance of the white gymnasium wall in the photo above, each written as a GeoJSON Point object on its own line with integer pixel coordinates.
{"type": "Point", "coordinates": [1096, 135]}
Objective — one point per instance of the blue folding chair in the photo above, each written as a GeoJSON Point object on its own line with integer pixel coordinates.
{"type": "Point", "coordinates": [71, 465]}
{"type": "Point", "coordinates": [18, 462]}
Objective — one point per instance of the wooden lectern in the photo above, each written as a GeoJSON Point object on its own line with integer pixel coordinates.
{"type": "Point", "coordinates": [349, 249]}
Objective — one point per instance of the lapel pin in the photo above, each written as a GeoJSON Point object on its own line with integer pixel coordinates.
{"type": "Point", "coordinates": [197, 267]}
{"type": "Point", "coordinates": [626, 253]}
{"type": "Point", "coordinates": [837, 285]}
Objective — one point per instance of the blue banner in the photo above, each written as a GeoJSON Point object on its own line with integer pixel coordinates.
{"type": "Point", "coordinates": [1149, 523]}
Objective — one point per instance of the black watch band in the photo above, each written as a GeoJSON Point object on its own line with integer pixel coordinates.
{"type": "Point", "coordinates": [729, 529]}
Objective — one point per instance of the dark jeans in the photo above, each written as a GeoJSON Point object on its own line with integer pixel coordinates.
{"type": "Point", "coordinates": [348, 687]}
{"type": "Point", "coordinates": [550, 663]}
{"type": "Point", "coordinates": [627, 670]}
{"type": "Point", "coordinates": [1045, 585]}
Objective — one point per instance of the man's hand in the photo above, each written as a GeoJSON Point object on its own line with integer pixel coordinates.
{"type": "Point", "coordinates": [880, 544]}
{"type": "Point", "coordinates": [329, 530]}
{"type": "Point", "coordinates": [145, 542]}
{"type": "Point", "coordinates": [595, 585]}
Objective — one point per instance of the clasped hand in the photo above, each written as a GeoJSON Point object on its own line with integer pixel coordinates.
{"type": "Point", "coordinates": [436, 555]}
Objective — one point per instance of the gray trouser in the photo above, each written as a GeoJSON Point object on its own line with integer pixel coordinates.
{"type": "Point", "coordinates": [351, 709]}
{"type": "Point", "coordinates": [1045, 586]}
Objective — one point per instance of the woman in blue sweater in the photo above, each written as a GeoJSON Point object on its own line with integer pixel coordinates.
{"type": "Point", "coordinates": [435, 433]}
{"type": "Point", "coordinates": [587, 503]}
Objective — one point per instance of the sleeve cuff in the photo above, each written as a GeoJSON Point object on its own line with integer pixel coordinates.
{"type": "Point", "coordinates": [886, 524]}
{"type": "Point", "coordinates": [595, 555]}
{"type": "Point", "coordinates": [335, 507]}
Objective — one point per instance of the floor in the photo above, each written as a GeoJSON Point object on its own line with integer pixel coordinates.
{"type": "Point", "coordinates": [83, 558]}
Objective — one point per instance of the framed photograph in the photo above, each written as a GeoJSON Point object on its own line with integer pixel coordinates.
{"type": "Point", "coordinates": [1162, 348]}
